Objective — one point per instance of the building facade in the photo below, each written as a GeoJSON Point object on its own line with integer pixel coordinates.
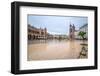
{"type": "Point", "coordinates": [36, 33]}
{"type": "Point", "coordinates": [84, 28]}
{"type": "Point", "coordinates": [76, 35]}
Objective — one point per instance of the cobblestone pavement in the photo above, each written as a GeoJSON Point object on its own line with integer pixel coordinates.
{"type": "Point", "coordinates": [54, 49]}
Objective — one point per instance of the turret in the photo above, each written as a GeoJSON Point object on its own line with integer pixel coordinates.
{"type": "Point", "coordinates": [73, 27]}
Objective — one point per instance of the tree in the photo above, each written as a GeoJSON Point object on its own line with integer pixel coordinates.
{"type": "Point", "coordinates": [82, 34]}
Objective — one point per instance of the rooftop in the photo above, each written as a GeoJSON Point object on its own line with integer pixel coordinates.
{"type": "Point", "coordinates": [85, 25]}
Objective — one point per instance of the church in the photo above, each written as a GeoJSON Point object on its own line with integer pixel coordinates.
{"type": "Point", "coordinates": [71, 32]}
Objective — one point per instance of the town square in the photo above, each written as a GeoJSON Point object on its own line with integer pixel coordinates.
{"type": "Point", "coordinates": [56, 37]}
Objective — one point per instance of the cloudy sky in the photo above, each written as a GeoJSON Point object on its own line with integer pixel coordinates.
{"type": "Point", "coordinates": [56, 24]}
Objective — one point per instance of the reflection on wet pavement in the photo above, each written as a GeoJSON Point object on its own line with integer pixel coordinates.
{"type": "Point", "coordinates": [54, 49]}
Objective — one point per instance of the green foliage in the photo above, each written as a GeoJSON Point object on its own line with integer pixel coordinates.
{"type": "Point", "coordinates": [82, 34]}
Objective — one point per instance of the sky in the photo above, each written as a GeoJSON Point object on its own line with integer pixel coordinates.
{"type": "Point", "coordinates": [56, 24]}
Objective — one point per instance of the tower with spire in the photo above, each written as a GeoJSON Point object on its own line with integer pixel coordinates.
{"type": "Point", "coordinates": [71, 31]}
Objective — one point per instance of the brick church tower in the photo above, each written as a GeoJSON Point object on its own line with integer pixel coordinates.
{"type": "Point", "coordinates": [72, 32]}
